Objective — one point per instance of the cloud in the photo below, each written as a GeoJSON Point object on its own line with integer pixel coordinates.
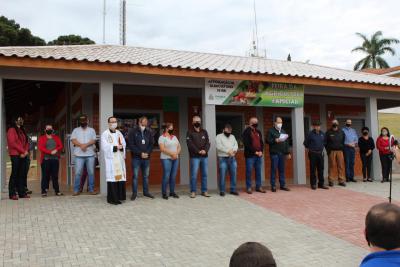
{"type": "Point", "coordinates": [322, 31]}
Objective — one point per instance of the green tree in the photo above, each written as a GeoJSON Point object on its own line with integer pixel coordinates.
{"type": "Point", "coordinates": [71, 40]}
{"type": "Point", "coordinates": [11, 34]}
{"type": "Point", "coordinates": [374, 48]}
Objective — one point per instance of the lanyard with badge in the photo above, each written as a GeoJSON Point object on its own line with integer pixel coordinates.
{"type": "Point", "coordinates": [143, 140]}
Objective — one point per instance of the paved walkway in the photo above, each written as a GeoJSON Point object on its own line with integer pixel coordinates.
{"type": "Point", "coordinates": [302, 227]}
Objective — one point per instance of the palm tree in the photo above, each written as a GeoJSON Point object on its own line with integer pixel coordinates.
{"type": "Point", "coordinates": [374, 48]}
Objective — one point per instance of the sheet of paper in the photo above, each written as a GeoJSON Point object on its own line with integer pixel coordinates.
{"type": "Point", "coordinates": [283, 137]}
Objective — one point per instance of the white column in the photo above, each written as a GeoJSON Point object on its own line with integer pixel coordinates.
{"type": "Point", "coordinates": [183, 127]}
{"type": "Point", "coordinates": [3, 142]}
{"type": "Point", "coordinates": [299, 161]}
{"type": "Point", "coordinates": [208, 112]}
{"type": "Point", "coordinates": [260, 117]}
{"type": "Point", "coordinates": [106, 110]}
{"type": "Point", "coordinates": [371, 114]}
{"type": "Point", "coordinates": [324, 124]}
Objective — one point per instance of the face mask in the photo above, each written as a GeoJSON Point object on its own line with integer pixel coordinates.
{"type": "Point", "coordinates": [170, 131]}
{"type": "Point", "coordinates": [255, 125]}
{"type": "Point", "coordinates": [384, 133]}
{"type": "Point", "coordinates": [279, 125]}
{"type": "Point", "coordinates": [334, 125]}
{"type": "Point", "coordinates": [365, 133]}
{"type": "Point", "coordinates": [49, 132]}
{"type": "Point", "coordinates": [348, 125]}
{"type": "Point", "coordinates": [142, 128]}
{"type": "Point", "coordinates": [84, 124]}
{"type": "Point", "coordinates": [114, 125]}
{"type": "Point", "coordinates": [227, 134]}
{"type": "Point", "coordinates": [196, 124]}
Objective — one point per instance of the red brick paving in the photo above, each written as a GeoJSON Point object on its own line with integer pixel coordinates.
{"type": "Point", "coordinates": [338, 212]}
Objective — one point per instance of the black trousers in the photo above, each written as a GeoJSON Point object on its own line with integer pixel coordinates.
{"type": "Point", "coordinates": [27, 166]}
{"type": "Point", "coordinates": [316, 167]}
{"type": "Point", "coordinates": [386, 164]}
{"type": "Point", "coordinates": [17, 177]}
{"type": "Point", "coordinates": [116, 191]}
{"type": "Point", "coordinates": [50, 171]}
{"type": "Point", "coordinates": [366, 165]}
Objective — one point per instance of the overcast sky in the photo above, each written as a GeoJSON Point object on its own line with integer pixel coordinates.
{"type": "Point", "coordinates": [322, 31]}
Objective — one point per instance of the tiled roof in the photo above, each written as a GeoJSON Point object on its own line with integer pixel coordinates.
{"type": "Point", "coordinates": [194, 61]}
{"type": "Point", "coordinates": [382, 71]}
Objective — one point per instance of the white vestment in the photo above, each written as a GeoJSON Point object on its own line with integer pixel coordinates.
{"type": "Point", "coordinates": [114, 161]}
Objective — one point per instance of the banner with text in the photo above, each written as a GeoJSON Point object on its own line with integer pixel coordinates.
{"type": "Point", "coordinates": [253, 93]}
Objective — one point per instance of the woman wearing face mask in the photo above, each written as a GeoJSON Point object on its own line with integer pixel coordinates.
{"type": "Point", "coordinates": [18, 148]}
{"type": "Point", "coordinates": [50, 146]}
{"type": "Point", "coordinates": [170, 150]}
{"type": "Point", "coordinates": [385, 154]}
{"type": "Point", "coordinates": [366, 145]}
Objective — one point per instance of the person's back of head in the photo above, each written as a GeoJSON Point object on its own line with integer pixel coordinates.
{"type": "Point", "coordinates": [252, 254]}
{"type": "Point", "coordinates": [382, 227]}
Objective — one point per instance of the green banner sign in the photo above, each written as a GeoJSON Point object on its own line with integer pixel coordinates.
{"type": "Point", "coordinates": [254, 93]}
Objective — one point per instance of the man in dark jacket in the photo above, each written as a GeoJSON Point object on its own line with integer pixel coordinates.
{"type": "Point", "coordinates": [253, 153]}
{"type": "Point", "coordinates": [141, 142]}
{"type": "Point", "coordinates": [315, 143]}
{"type": "Point", "coordinates": [198, 145]}
{"type": "Point", "coordinates": [279, 152]}
{"type": "Point", "coordinates": [334, 144]}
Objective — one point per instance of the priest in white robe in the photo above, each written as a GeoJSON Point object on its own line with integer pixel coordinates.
{"type": "Point", "coordinates": [113, 147]}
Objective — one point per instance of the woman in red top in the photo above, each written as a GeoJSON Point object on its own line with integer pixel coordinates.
{"type": "Point", "coordinates": [385, 154]}
{"type": "Point", "coordinates": [18, 148]}
{"type": "Point", "coordinates": [50, 146]}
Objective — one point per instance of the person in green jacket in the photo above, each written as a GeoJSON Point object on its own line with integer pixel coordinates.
{"type": "Point", "coordinates": [279, 152]}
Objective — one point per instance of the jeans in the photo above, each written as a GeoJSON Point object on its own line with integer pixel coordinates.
{"type": "Point", "coordinates": [170, 169]}
{"type": "Point", "coordinates": [386, 163]}
{"type": "Point", "coordinates": [195, 163]}
{"type": "Point", "coordinates": [366, 165]}
{"type": "Point", "coordinates": [80, 162]}
{"type": "Point", "coordinates": [253, 162]}
{"type": "Point", "coordinates": [227, 164]}
{"type": "Point", "coordinates": [316, 167]}
{"type": "Point", "coordinates": [18, 172]}
{"type": "Point", "coordinates": [349, 158]}
{"type": "Point", "coordinates": [278, 163]}
{"type": "Point", "coordinates": [50, 171]}
{"type": "Point", "coordinates": [144, 165]}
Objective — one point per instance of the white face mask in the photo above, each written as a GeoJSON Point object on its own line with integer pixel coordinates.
{"type": "Point", "coordinates": [142, 127]}
{"type": "Point", "coordinates": [114, 125]}
{"type": "Point", "coordinates": [279, 126]}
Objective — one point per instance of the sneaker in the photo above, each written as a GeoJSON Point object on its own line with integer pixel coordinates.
{"type": "Point", "coordinates": [93, 193]}
{"type": "Point", "coordinates": [261, 190]}
{"type": "Point", "coordinates": [273, 189]}
{"type": "Point", "coordinates": [59, 194]}
{"type": "Point", "coordinates": [235, 193]}
{"type": "Point", "coordinates": [342, 184]}
{"type": "Point", "coordinates": [193, 195]}
{"type": "Point", "coordinates": [330, 184]}
{"type": "Point", "coordinates": [285, 189]}
{"type": "Point", "coordinates": [222, 194]}
{"type": "Point", "coordinates": [323, 187]}
{"type": "Point", "coordinates": [313, 187]}
{"type": "Point", "coordinates": [44, 194]}
{"type": "Point", "coordinates": [174, 195]}
{"type": "Point", "coordinates": [133, 197]}
{"type": "Point", "coordinates": [14, 197]}
{"type": "Point", "coordinates": [205, 194]}
{"type": "Point", "coordinates": [165, 196]}
{"type": "Point", "coordinates": [249, 191]}
{"type": "Point", "coordinates": [25, 196]}
{"type": "Point", "coordinates": [148, 195]}
{"type": "Point", "coordinates": [76, 194]}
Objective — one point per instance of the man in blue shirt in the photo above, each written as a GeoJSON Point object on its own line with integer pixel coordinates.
{"type": "Point", "coordinates": [350, 142]}
{"type": "Point", "coordinates": [382, 232]}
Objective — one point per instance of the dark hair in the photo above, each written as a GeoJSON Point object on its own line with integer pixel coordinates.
{"type": "Point", "coordinates": [277, 117]}
{"type": "Point", "coordinates": [382, 226]}
{"type": "Point", "coordinates": [112, 117]}
{"type": "Point", "coordinates": [365, 128]}
{"type": "Point", "coordinates": [252, 254]}
{"type": "Point", "coordinates": [385, 128]}
{"type": "Point", "coordinates": [83, 116]}
{"type": "Point", "coordinates": [166, 125]}
{"type": "Point", "coordinates": [22, 128]}
{"type": "Point", "coordinates": [228, 126]}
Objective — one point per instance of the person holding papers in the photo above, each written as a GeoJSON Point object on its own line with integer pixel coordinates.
{"type": "Point", "coordinates": [113, 149]}
{"type": "Point", "coordinates": [279, 152]}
